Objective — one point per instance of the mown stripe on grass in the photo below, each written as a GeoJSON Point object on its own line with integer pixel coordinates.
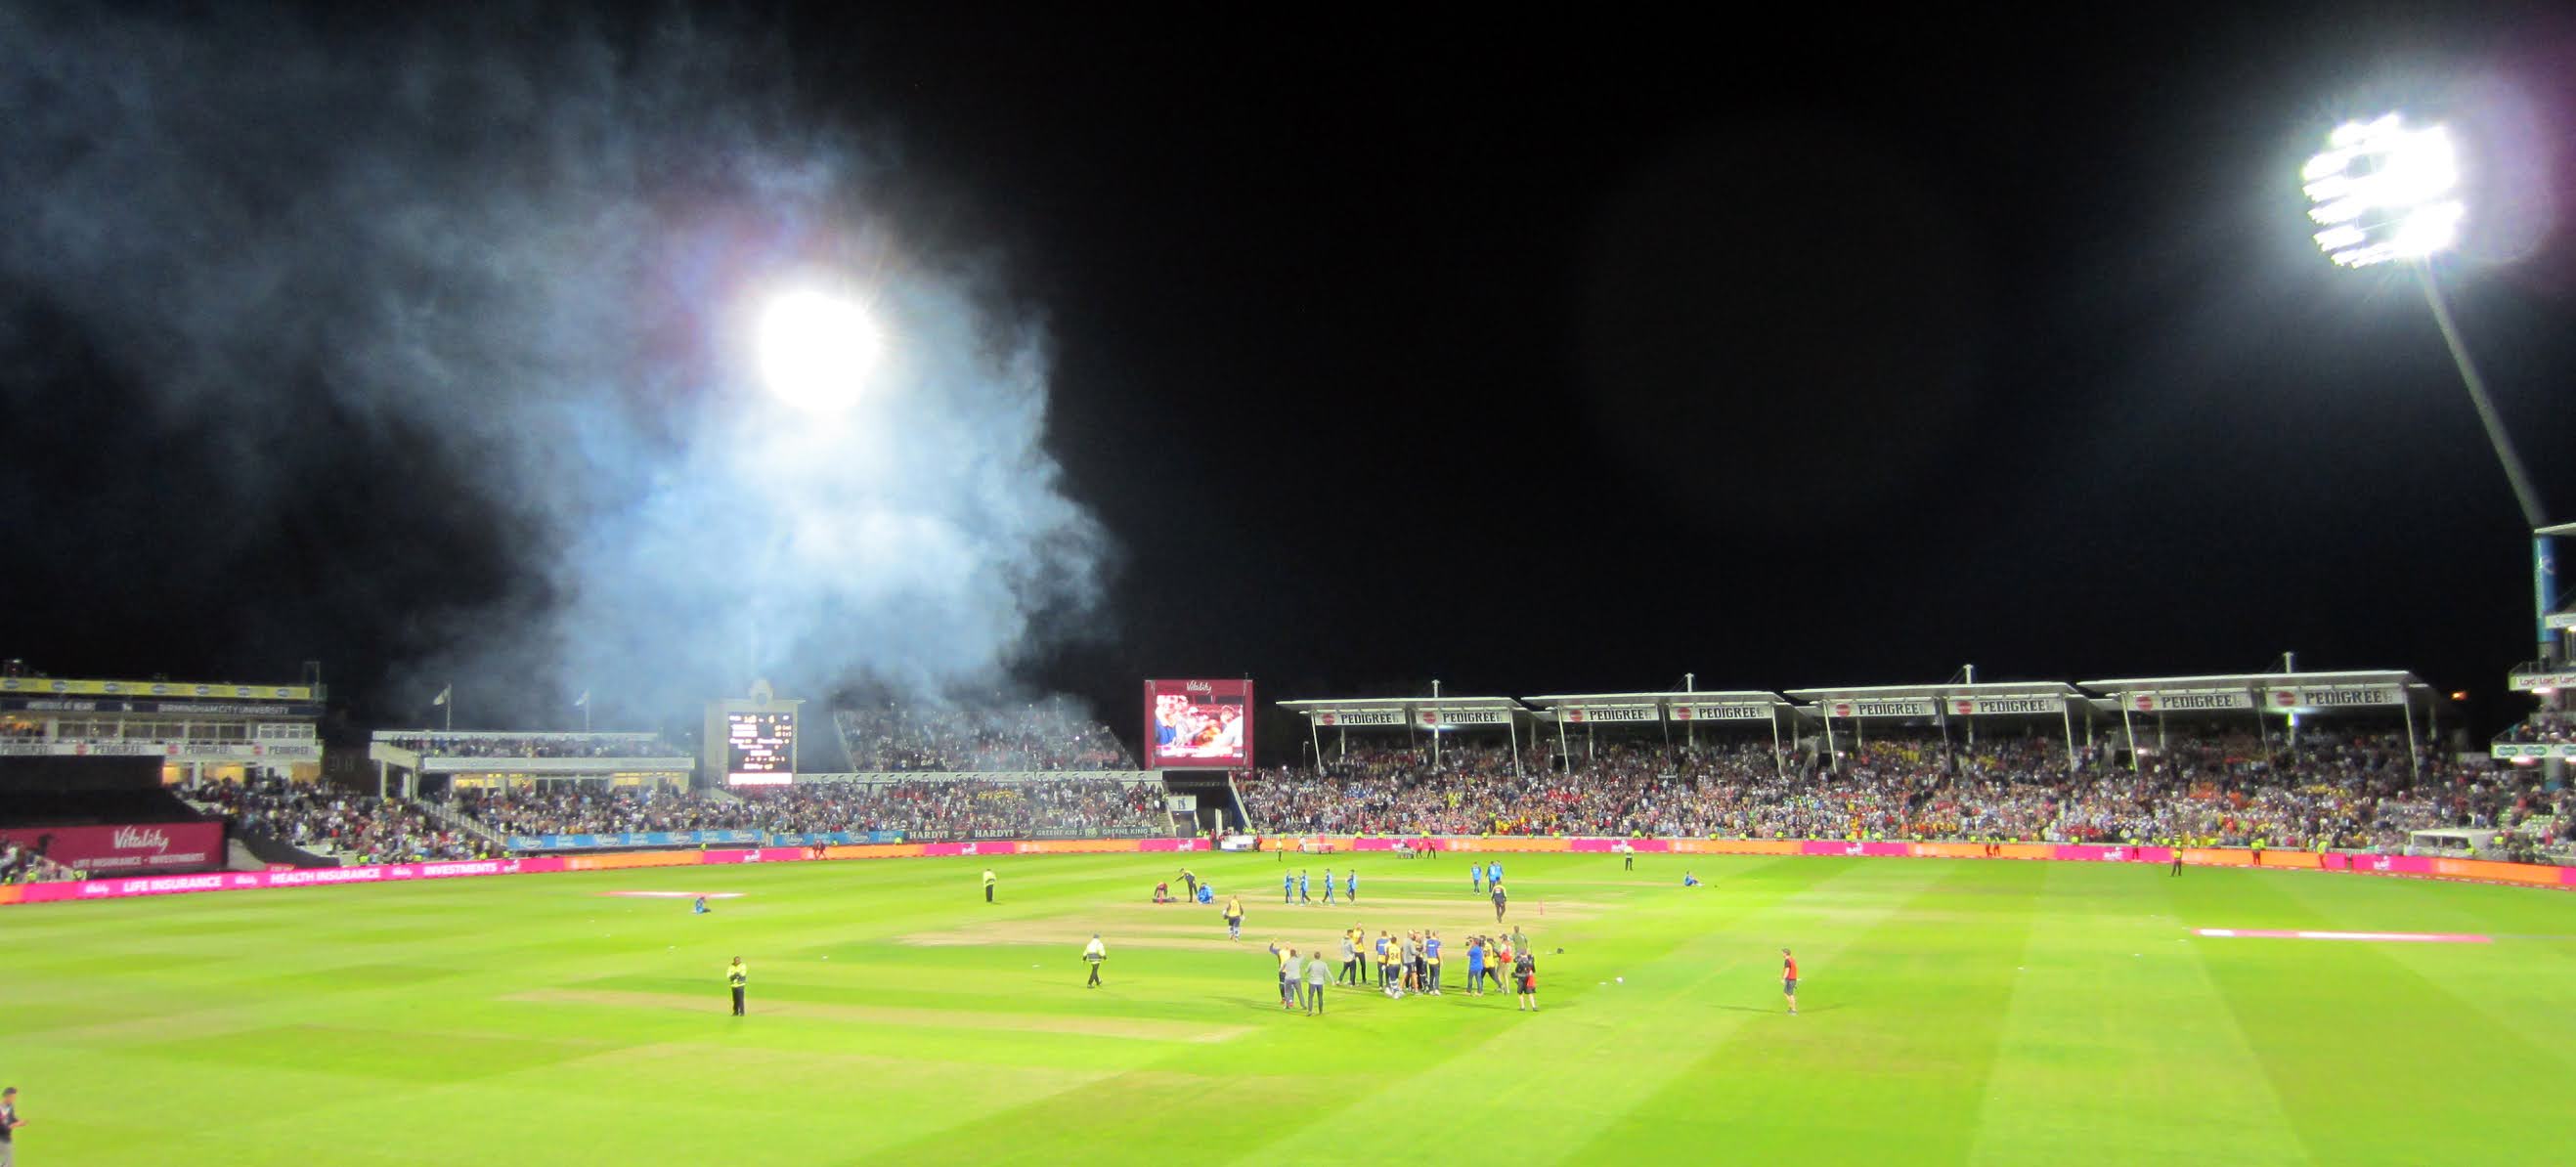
{"type": "Point", "coordinates": [2350, 1093]}
{"type": "Point", "coordinates": [1377, 1064]}
{"type": "Point", "coordinates": [2116, 1047]}
{"type": "Point", "coordinates": [2524, 990]}
{"type": "Point", "coordinates": [1898, 1033]}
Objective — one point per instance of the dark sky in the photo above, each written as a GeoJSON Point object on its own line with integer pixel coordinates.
{"type": "Point", "coordinates": [1542, 357]}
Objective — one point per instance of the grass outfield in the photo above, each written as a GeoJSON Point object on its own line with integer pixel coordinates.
{"type": "Point", "coordinates": [1952, 1012]}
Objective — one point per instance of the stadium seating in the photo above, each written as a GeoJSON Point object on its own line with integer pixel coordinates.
{"type": "Point", "coordinates": [333, 822]}
{"type": "Point", "coordinates": [2349, 792]}
{"type": "Point", "coordinates": [551, 745]}
{"type": "Point", "coordinates": [1044, 735]}
{"type": "Point", "coordinates": [20, 865]}
{"type": "Point", "coordinates": [953, 807]}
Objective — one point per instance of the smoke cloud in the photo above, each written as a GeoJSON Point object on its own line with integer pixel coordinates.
{"type": "Point", "coordinates": [533, 245]}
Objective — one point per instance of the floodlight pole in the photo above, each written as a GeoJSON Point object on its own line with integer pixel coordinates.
{"type": "Point", "coordinates": [1690, 729]}
{"type": "Point", "coordinates": [2543, 569]}
{"type": "Point", "coordinates": [1439, 716]}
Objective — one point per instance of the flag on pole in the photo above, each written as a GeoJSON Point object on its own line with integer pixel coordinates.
{"type": "Point", "coordinates": [443, 694]}
{"type": "Point", "coordinates": [583, 701]}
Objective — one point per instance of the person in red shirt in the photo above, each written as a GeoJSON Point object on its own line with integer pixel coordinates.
{"type": "Point", "coordinates": [1789, 980]}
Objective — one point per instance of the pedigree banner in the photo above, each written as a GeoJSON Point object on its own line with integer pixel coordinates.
{"type": "Point", "coordinates": [1722, 711]}
{"type": "Point", "coordinates": [1609, 714]}
{"type": "Point", "coordinates": [2336, 696]}
{"type": "Point", "coordinates": [130, 849]}
{"type": "Point", "coordinates": [2051, 705]}
{"type": "Point", "coordinates": [1906, 707]}
{"type": "Point", "coordinates": [2189, 701]}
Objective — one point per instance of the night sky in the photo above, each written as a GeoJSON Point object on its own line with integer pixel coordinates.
{"type": "Point", "coordinates": [1541, 358]}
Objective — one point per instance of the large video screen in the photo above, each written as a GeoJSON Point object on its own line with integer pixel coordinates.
{"type": "Point", "coordinates": [760, 749]}
{"type": "Point", "coordinates": [1201, 724]}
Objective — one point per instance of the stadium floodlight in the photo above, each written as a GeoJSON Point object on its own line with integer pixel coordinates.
{"type": "Point", "coordinates": [816, 349]}
{"type": "Point", "coordinates": [2384, 190]}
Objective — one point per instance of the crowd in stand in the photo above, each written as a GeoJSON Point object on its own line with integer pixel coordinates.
{"type": "Point", "coordinates": [1043, 735]}
{"type": "Point", "coordinates": [969, 806]}
{"type": "Point", "coordinates": [22, 865]}
{"type": "Point", "coordinates": [546, 745]}
{"type": "Point", "coordinates": [2330, 790]}
{"type": "Point", "coordinates": [2549, 726]}
{"type": "Point", "coordinates": [951, 807]}
{"type": "Point", "coordinates": [554, 810]}
{"type": "Point", "coordinates": [2348, 792]}
{"type": "Point", "coordinates": [330, 821]}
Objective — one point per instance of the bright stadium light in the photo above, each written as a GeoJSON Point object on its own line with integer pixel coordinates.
{"type": "Point", "coordinates": [816, 349]}
{"type": "Point", "coordinates": [2383, 191]}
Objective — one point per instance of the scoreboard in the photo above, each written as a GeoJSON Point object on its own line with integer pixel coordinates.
{"type": "Point", "coordinates": [760, 748]}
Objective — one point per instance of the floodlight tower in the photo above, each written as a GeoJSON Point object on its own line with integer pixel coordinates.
{"type": "Point", "coordinates": [2386, 191]}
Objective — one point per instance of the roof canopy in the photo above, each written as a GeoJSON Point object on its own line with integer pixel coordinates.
{"type": "Point", "coordinates": [1686, 706]}
{"type": "Point", "coordinates": [2253, 681]}
{"type": "Point", "coordinates": [1945, 690]}
{"type": "Point", "coordinates": [2272, 692]}
{"type": "Point", "coordinates": [1321, 703]}
{"type": "Point", "coordinates": [1690, 697]}
{"type": "Point", "coordinates": [1426, 712]}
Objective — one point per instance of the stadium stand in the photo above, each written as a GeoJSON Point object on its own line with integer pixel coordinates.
{"type": "Point", "coordinates": [947, 807]}
{"type": "Point", "coordinates": [415, 762]}
{"type": "Point", "coordinates": [189, 729]}
{"type": "Point", "coordinates": [334, 824]}
{"type": "Point", "coordinates": [2547, 727]}
{"type": "Point", "coordinates": [2346, 791]}
{"type": "Point", "coordinates": [534, 745]}
{"type": "Point", "coordinates": [1054, 734]}
{"type": "Point", "coordinates": [22, 865]}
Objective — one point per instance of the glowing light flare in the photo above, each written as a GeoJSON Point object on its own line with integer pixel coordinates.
{"type": "Point", "coordinates": [816, 349]}
{"type": "Point", "coordinates": [2383, 191]}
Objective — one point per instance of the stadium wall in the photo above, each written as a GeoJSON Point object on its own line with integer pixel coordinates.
{"type": "Point", "coordinates": [2480, 870]}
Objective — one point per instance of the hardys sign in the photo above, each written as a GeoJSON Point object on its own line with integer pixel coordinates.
{"type": "Point", "coordinates": [1990, 706]}
{"type": "Point", "coordinates": [1605, 714]}
{"type": "Point", "coordinates": [1346, 718]}
{"type": "Point", "coordinates": [1443, 717]}
{"type": "Point", "coordinates": [1723, 711]}
{"type": "Point", "coordinates": [2335, 696]}
{"type": "Point", "coordinates": [2188, 701]}
{"type": "Point", "coordinates": [1883, 708]}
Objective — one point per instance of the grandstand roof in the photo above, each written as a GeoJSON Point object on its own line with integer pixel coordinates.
{"type": "Point", "coordinates": [1718, 697]}
{"type": "Point", "coordinates": [1665, 706]}
{"type": "Point", "coordinates": [2255, 680]}
{"type": "Point", "coordinates": [1314, 704]}
{"type": "Point", "coordinates": [1946, 689]}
